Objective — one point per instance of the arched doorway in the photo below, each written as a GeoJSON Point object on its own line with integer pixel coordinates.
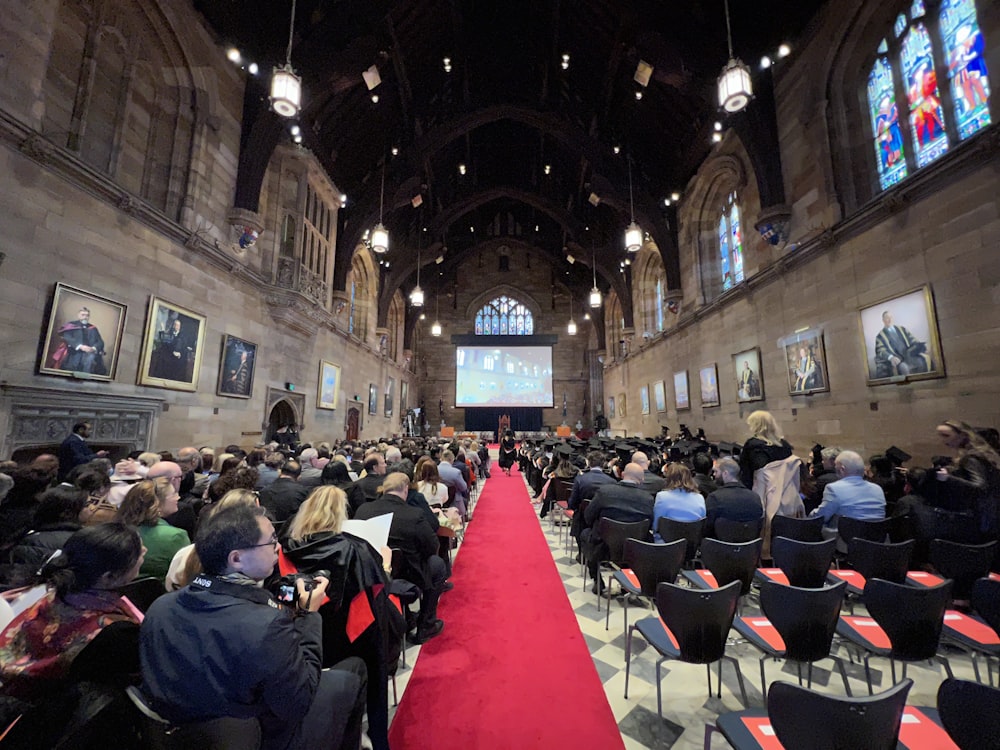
{"type": "Point", "coordinates": [353, 423]}
{"type": "Point", "coordinates": [282, 414]}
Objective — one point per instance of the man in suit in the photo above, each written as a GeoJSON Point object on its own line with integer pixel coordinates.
{"type": "Point", "coordinates": [852, 495]}
{"type": "Point", "coordinates": [650, 481]}
{"type": "Point", "coordinates": [731, 500]}
{"type": "Point", "coordinates": [585, 484]}
{"type": "Point", "coordinates": [897, 351]}
{"type": "Point", "coordinates": [374, 468]}
{"type": "Point", "coordinates": [284, 495]}
{"type": "Point", "coordinates": [625, 501]}
{"type": "Point", "coordinates": [411, 533]}
{"type": "Point", "coordinates": [74, 451]}
{"type": "Point", "coordinates": [452, 476]}
{"type": "Point", "coordinates": [701, 465]}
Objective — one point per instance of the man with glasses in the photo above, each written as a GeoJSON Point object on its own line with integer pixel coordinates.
{"type": "Point", "coordinates": [193, 481]}
{"type": "Point", "coordinates": [224, 647]}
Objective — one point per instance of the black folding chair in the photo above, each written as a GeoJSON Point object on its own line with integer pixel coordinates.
{"type": "Point", "coordinates": [646, 564]}
{"type": "Point", "coordinates": [692, 531]}
{"type": "Point", "coordinates": [799, 529]}
{"type": "Point", "coordinates": [970, 713]}
{"type": "Point", "coordinates": [614, 533]}
{"type": "Point", "coordinates": [727, 530]}
{"type": "Point", "coordinates": [805, 564]}
{"type": "Point", "coordinates": [962, 563]}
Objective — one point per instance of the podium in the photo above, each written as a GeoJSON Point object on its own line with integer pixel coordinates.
{"type": "Point", "coordinates": [447, 432]}
{"type": "Point", "coordinates": [563, 430]}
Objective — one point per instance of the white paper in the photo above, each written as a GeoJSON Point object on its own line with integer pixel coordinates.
{"type": "Point", "coordinates": [375, 530]}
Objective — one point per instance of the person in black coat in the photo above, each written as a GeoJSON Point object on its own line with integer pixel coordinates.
{"type": "Point", "coordinates": [338, 475]}
{"type": "Point", "coordinates": [418, 541]}
{"type": "Point", "coordinates": [284, 495]}
{"type": "Point", "coordinates": [731, 500]}
{"type": "Point", "coordinates": [701, 468]}
{"type": "Point", "coordinates": [74, 451]}
{"type": "Point", "coordinates": [766, 445]}
{"type": "Point", "coordinates": [56, 518]}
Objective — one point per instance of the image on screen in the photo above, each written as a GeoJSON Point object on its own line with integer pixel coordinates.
{"type": "Point", "coordinates": [503, 376]}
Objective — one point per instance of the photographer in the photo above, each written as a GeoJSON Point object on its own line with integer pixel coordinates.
{"type": "Point", "coordinates": [223, 647]}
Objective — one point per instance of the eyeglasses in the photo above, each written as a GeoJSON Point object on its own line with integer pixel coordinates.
{"type": "Point", "coordinates": [269, 543]}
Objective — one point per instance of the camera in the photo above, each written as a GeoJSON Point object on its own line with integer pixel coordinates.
{"type": "Point", "coordinates": [285, 588]}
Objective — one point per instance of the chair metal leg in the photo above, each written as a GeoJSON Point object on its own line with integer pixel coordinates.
{"type": "Point", "coordinates": [739, 677]}
{"type": "Point", "coordinates": [868, 675]}
{"type": "Point", "coordinates": [719, 686]}
{"type": "Point", "coordinates": [659, 688]}
{"type": "Point", "coordinates": [763, 679]}
{"type": "Point", "coordinates": [798, 670]}
{"type": "Point", "coordinates": [947, 665]}
{"type": "Point", "coordinates": [809, 673]}
{"type": "Point", "coordinates": [843, 673]}
{"type": "Point", "coordinates": [975, 667]}
{"type": "Point", "coordinates": [628, 657]}
{"type": "Point", "coordinates": [709, 731]}
{"type": "Point", "coordinates": [708, 671]}
{"type": "Point", "coordinates": [395, 697]}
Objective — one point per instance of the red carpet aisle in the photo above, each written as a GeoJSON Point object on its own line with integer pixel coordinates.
{"type": "Point", "coordinates": [511, 669]}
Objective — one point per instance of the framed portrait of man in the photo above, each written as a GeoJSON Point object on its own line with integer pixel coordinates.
{"type": "Point", "coordinates": [708, 378]}
{"type": "Point", "coordinates": [900, 339]}
{"type": "Point", "coordinates": [236, 367]}
{"type": "Point", "coordinates": [682, 399]}
{"type": "Point", "coordinates": [805, 363]}
{"type": "Point", "coordinates": [83, 335]}
{"type": "Point", "coordinates": [328, 392]}
{"type": "Point", "coordinates": [372, 399]}
{"type": "Point", "coordinates": [404, 392]}
{"type": "Point", "coordinates": [172, 347]}
{"type": "Point", "coordinates": [749, 380]}
{"type": "Point", "coordinates": [644, 399]}
{"type": "Point", "coordinates": [390, 386]}
{"type": "Point", "coordinates": [621, 404]}
{"type": "Point", "coordinates": [659, 396]}
{"type": "Point", "coordinates": [611, 407]}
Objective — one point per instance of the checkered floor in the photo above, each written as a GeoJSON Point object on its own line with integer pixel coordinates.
{"type": "Point", "coordinates": [686, 704]}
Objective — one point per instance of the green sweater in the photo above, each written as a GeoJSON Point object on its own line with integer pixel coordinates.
{"type": "Point", "coordinates": [162, 542]}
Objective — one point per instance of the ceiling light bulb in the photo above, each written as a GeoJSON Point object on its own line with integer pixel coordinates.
{"type": "Point", "coordinates": [571, 259]}
{"type": "Point", "coordinates": [784, 50]}
{"type": "Point", "coordinates": [633, 238]}
{"type": "Point", "coordinates": [436, 329]}
{"type": "Point", "coordinates": [439, 260]}
{"type": "Point", "coordinates": [395, 151]}
{"type": "Point", "coordinates": [380, 239]}
{"type": "Point", "coordinates": [417, 296]}
{"type": "Point", "coordinates": [374, 98]}
{"type": "Point", "coordinates": [472, 229]}
{"type": "Point", "coordinates": [571, 328]}
{"type": "Point", "coordinates": [718, 125]}
{"type": "Point", "coordinates": [595, 298]}
{"type": "Point", "coordinates": [765, 62]}
{"type": "Point", "coordinates": [296, 130]}
{"type": "Point", "coordinates": [586, 316]}
{"type": "Point", "coordinates": [447, 64]}
{"type": "Point", "coordinates": [461, 169]}
{"type": "Point", "coordinates": [297, 138]}
{"type": "Point", "coordinates": [638, 95]}
{"type": "Point", "coordinates": [617, 149]}
{"type": "Point", "coordinates": [675, 196]}
{"type": "Point", "coordinates": [252, 69]}
{"type": "Point", "coordinates": [716, 137]}
{"type": "Point", "coordinates": [666, 201]}
{"type": "Point", "coordinates": [233, 55]}
{"type": "Point", "coordinates": [548, 169]}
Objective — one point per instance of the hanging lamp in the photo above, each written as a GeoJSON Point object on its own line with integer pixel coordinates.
{"type": "Point", "coordinates": [735, 87]}
{"type": "Point", "coordinates": [595, 293]}
{"type": "Point", "coordinates": [380, 235]}
{"type": "Point", "coordinates": [286, 87]}
{"type": "Point", "coordinates": [633, 233]}
{"type": "Point", "coordinates": [436, 326]}
{"type": "Point", "coordinates": [571, 328]}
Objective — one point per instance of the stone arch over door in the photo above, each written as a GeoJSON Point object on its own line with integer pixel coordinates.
{"type": "Point", "coordinates": [283, 408]}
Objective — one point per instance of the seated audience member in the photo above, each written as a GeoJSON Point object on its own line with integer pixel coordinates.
{"type": "Point", "coordinates": [56, 520]}
{"type": "Point", "coordinates": [194, 481]}
{"type": "Point", "coordinates": [17, 513]}
{"type": "Point", "coordinates": [417, 539]}
{"type": "Point", "coordinates": [823, 477]}
{"type": "Point", "coordinates": [435, 493]}
{"type": "Point", "coordinates": [851, 495]}
{"type": "Point", "coordinates": [127, 472]}
{"type": "Point", "coordinates": [315, 542]}
{"type": "Point", "coordinates": [650, 481]}
{"type": "Point", "coordinates": [38, 647]}
{"type": "Point", "coordinates": [269, 469]}
{"type": "Point", "coordinates": [145, 506]}
{"type": "Point", "coordinates": [623, 501]}
{"type": "Point", "coordinates": [374, 469]}
{"type": "Point", "coordinates": [561, 469]}
{"type": "Point", "coordinates": [337, 474]}
{"type": "Point", "coordinates": [452, 475]}
{"type": "Point", "coordinates": [185, 564]}
{"type": "Point", "coordinates": [679, 500]}
{"type": "Point", "coordinates": [585, 484]}
{"type": "Point", "coordinates": [701, 469]}
{"type": "Point", "coordinates": [148, 459]}
{"type": "Point", "coordinates": [310, 475]}
{"type": "Point", "coordinates": [731, 500]}
{"type": "Point", "coordinates": [284, 495]}
{"type": "Point", "coordinates": [223, 647]}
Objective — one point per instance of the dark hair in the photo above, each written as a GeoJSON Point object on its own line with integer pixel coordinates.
{"type": "Point", "coordinates": [256, 457]}
{"type": "Point", "coordinates": [229, 529]}
{"type": "Point", "coordinates": [91, 552]}
{"type": "Point", "coordinates": [372, 461]}
{"type": "Point", "coordinates": [92, 482]}
{"type": "Point", "coordinates": [241, 478]}
{"type": "Point", "coordinates": [335, 472]}
{"type": "Point", "coordinates": [595, 459]}
{"type": "Point", "coordinates": [291, 467]}
{"type": "Point", "coordinates": [60, 505]}
{"type": "Point", "coordinates": [230, 463]}
{"type": "Point", "coordinates": [701, 462]}
{"type": "Point", "coordinates": [79, 427]}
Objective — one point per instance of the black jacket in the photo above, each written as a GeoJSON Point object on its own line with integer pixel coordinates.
{"type": "Point", "coordinates": [620, 502]}
{"type": "Point", "coordinates": [283, 497]}
{"type": "Point", "coordinates": [37, 545]}
{"type": "Point", "coordinates": [757, 454]}
{"type": "Point", "coordinates": [410, 532]}
{"type": "Point", "coordinates": [734, 502]}
{"type": "Point", "coordinates": [369, 484]}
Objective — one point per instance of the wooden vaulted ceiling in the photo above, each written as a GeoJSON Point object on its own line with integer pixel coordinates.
{"type": "Point", "coordinates": [506, 110]}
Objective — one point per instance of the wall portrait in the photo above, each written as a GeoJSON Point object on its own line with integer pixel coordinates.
{"type": "Point", "coordinates": [236, 367]}
{"type": "Point", "coordinates": [611, 407]}
{"type": "Point", "coordinates": [328, 392]}
{"type": "Point", "coordinates": [621, 405]}
{"type": "Point", "coordinates": [805, 363]}
{"type": "Point", "coordinates": [404, 389]}
{"type": "Point", "coordinates": [708, 377]}
{"type": "Point", "coordinates": [390, 386]}
{"type": "Point", "coordinates": [372, 399]}
{"type": "Point", "coordinates": [172, 347]}
{"type": "Point", "coordinates": [900, 339]}
{"type": "Point", "coordinates": [644, 399]}
{"type": "Point", "coordinates": [83, 335]}
{"type": "Point", "coordinates": [682, 399]}
{"type": "Point", "coordinates": [659, 396]}
{"type": "Point", "coordinates": [749, 380]}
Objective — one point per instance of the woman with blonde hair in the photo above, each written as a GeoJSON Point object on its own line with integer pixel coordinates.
{"type": "Point", "coordinates": [765, 445]}
{"type": "Point", "coordinates": [679, 500]}
{"type": "Point", "coordinates": [145, 506]}
{"type": "Point", "coordinates": [973, 479]}
{"type": "Point", "coordinates": [358, 581]}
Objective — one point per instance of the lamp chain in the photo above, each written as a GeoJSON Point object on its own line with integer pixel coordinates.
{"type": "Point", "coordinates": [291, 31]}
{"type": "Point", "coordinates": [729, 32]}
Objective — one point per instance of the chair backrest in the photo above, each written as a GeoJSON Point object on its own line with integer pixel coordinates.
{"type": "Point", "coordinates": [873, 531]}
{"type": "Point", "coordinates": [692, 531]}
{"type": "Point", "coordinates": [912, 616]}
{"type": "Point", "coordinates": [799, 529]}
{"type": "Point", "coordinates": [802, 718]}
{"type": "Point", "coordinates": [396, 565]}
{"type": "Point", "coordinates": [805, 564]}
{"type": "Point", "coordinates": [452, 493]}
{"type": "Point", "coordinates": [563, 489]}
{"type": "Point", "coordinates": [732, 562]}
{"type": "Point", "coordinates": [970, 713]}
{"type": "Point", "coordinates": [727, 530]}
{"type": "Point", "coordinates": [986, 601]}
{"type": "Point", "coordinates": [654, 563]}
{"type": "Point", "coordinates": [700, 620]}
{"type": "Point", "coordinates": [214, 734]}
{"type": "Point", "coordinates": [890, 562]}
{"type": "Point", "coordinates": [963, 563]}
{"type": "Point", "coordinates": [806, 619]}
{"type": "Point", "coordinates": [142, 592]}
{"type": "Point", "coordinates": [614, 533]}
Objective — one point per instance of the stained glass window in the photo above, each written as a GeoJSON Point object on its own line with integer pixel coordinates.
{"type": "Point", "coordinates": [885, 124]}
{"type": "Point", "coordinates": [900, 25]}
{"type": "Point", "coordinates": [965, 52]}
{"type": "Point", "coordinates": [926, 117]}
{"type": "Point", "coordinates": [659, 304]}
{"type": "Point", "coordinates": [730, 244]}
{"type": "Point", "coordinates": [917, 9]}
{"type": "Point", "coordinates": [504, 316]}
{"type": "Point", "coordinates": [727, 276]}
{"type": "Point", "coordinates": [350, 317]}
{"type": "Point", "coordinates": [736, 239]}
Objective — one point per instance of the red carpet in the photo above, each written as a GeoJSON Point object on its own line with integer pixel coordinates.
{"type": "Point", "coordinates": [511, 669]}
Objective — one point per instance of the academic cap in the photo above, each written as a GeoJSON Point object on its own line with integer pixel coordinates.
{"type": "Point", "coordinates": [897, 455]}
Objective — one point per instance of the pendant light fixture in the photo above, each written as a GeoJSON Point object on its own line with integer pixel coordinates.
{"type": "Point", "coordinates": [286, 87]}
{"type": "Point", "coordinates": [571, 328]}
{"type": "Point", "coordinates": [735, 87]}
{"type": "Point", "coordinates": [436, 326]}
{"type": "Point", "coordinates": [417, 295]}
{"type": "Point", "coordinates": [380, 235]}
{"type": "Point", "coordinates": [595, 293]}
{"type": "Point", "coordinates": [633, 234]}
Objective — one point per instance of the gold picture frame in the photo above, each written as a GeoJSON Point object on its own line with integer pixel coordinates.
{"type": "Point", "coordinates": [172, 348]}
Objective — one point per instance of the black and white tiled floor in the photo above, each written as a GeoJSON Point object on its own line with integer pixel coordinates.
{"type": "Point", "coordinates": [687, 707]}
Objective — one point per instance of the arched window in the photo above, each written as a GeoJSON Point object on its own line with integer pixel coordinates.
{"type": "Point", "coordinates": [730, 244]}
{"type": "Point", "coordinates": [504, 316]}
{"type": "Point", "coordinates": [922, 53]}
